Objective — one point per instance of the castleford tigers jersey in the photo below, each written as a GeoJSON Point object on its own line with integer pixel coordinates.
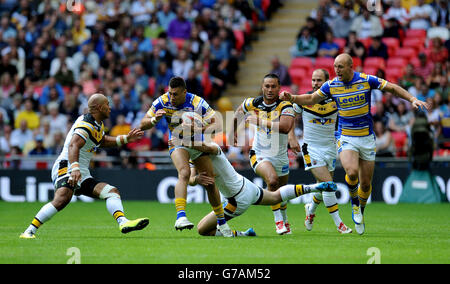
{"type": "Point", "coordinates": [173, 113]}
{"type": "Point", "coordinates": [269, 143]}
{"type": "Point", "coordinates": [319, 122]}
{"type": "Point", "coordinates": [353, 102]}
{"type": "Point", "coordinates": [92, 132]}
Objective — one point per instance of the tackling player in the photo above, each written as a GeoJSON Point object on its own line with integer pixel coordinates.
{"type": "Point", "coordinates": [171, 105]}
{"type": "Point", "coordinates": [240, 192]}
{"type": "Point", "coordinates": [319, 150]}
{"type": "Point", "coordinates": [70, 172]}
{"type": "Point", "coordinates": [356, 143]}
{"type": "Point", "coordinates": [274, 119]}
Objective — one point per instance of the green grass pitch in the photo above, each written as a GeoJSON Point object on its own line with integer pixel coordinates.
{"type": "Point", "coordinates": [403, 233]}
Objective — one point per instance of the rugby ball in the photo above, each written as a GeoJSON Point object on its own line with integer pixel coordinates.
{"type": "Point", "coordinates": [192, 118]}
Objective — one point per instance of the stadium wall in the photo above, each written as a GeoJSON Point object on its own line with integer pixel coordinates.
{"type": "Point", "coordinates": [35, 185]}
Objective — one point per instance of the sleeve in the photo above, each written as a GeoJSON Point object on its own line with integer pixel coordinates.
{"type": "Point", "coordinates": [207, 111]}
{"type": "Point", "coordinates": [156, 105]}
{"type": "Point", "coordinates": [324, 91]}
{"type": "Point", "coordinates": [288, 110]}
{"type": "Point", "coordinates": [376, 83]}
{"type": "Point", "coordinates": [298, 109]}
{"type": "Point", "coordinates": [247, 105]}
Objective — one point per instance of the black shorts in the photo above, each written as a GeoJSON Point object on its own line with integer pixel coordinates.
{"type": "Point", "coordinates": [86, 187]}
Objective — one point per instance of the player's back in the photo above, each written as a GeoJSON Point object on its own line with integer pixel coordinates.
{"type": "Point", "coordinates": [228, 180]}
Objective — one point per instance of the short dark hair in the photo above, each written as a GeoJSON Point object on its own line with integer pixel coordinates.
{"type": "Point", "coordinates": [176, 82]}
{"type": "Point", "coordinates": [273, 76]}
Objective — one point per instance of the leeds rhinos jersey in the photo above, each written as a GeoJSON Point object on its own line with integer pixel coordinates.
{"type": "Point", "coordinates": [319, 122]}
{"type": "Point", "coordinates": [353, 102]}
{"type": "Point", "coordinates": [265, 144]}
{"type": "Point", "coordinates": [92, 132]}
{"type": "Point", "coordinates": [192, 103]}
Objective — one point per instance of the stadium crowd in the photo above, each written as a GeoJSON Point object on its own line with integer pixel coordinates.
{"type": "Point", "coordinates": [56, 53]}
{"type": "Point", "coordinates": [405, 42]}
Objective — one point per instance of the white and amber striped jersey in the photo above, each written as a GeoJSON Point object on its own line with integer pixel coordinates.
{"type": "Point", "coordinates": [353, 102]}
{"type": "Point", "coordinates": [92, 132]}
{"type": "Point", "coordinates": [319, 122]}
{"type": "Point", "coordinates": [268, 143]}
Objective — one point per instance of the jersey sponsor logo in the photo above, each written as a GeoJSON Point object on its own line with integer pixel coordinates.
{"type": "Point", "coordinates": [351, 100]}
{"type": "Point", "coordinates": [322, 121]}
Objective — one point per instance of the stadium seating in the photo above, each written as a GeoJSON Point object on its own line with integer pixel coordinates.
{"type": "Point", "coordinates": [341, 43]}
{"type": "Point", "coordinates": [394, 74]}
{"type": "Point", "coordinates": [298, 75]}
{"type": "Point", "coordinates": [416, 33]}
{"type": "Point", "coordinates": [416, 43]}
{"type": "Point", "coordinates": [370, 70]}
{"type": "Point", "coordinates": [392, 44]}
{"type": "Point", "coordinates": [375, 62]}
{"type": "Point", "coordinates": [396, 62]}
{"type": "Point", "coordinates": [240, 40]}
{"type": "Point", "coordinates": [406, 52]}
{"type": "Point", "coordinates": [301, 62]}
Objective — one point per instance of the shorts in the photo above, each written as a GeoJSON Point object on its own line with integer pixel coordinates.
{"type": "Point", "coordinates": [250, 194]}
{"type": "Point", "coordinates": [365, 146]}
{"type": "Point", "coordinates": [60, 178]}
{"type": "Point", "coordinates": [280, 163]}
{"type": "Point", "coordinates": [316, 156]}
{"type": "Point", "coordinates": [193, 154]}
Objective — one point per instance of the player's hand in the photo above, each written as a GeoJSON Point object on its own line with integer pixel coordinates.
{"type": "Point", "coordinates": [285, 96]}
{"type": "Point", "coordinates": [174, 142]}
{"type": "Point", "coordinates": [75, 177]}
{"type": "Point", "coordinates": [295, 146]}
{"type": "Point", "coordinates": [253, 119]}
{"type": "Point", "coordinates": [134, 135]}
{"type": "Point", "coordinates": [159, 115]}
{"type": "Point", "coordinates": [204, 180]}
{"type": "Point", "coordinates": [420, 105]}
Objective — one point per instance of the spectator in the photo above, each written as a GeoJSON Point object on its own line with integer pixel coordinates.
{"type": "Point", "coordinates": [416, 88]}
{"type": "Point", "coordinates": [434, 79]}
{"type": "Point", "coordinates": [121, 127]}
{"type": "Point", "coordinates": [6, 28]}
{"type": "Point", "coordinates": [22, 135]}
{"type": "Point", "coordinates": [144, 44]}
{"type": "Point", "coordinates": [380, 114]}
{"type": "Point", "coordinates": [58, 143]}
{"type": "Point", "coordinates": [367, 25]}
{"type": "Point", "coordinates": [408, 79]}
{"type": "Point", "coordinates": [7, 67]}
{"type": "Point", "coordinates": [441, 16]}
{"type": "Point", "coordinates": [182, 64]}
{"type": "Point", "coordinates": [58, 121]}
{"type": "Point", "coordinates": [397, 12]}
{"type": "Point", "coordinates": [29, 115]}
{"type": "Point", "coordinates": [79, 31]}
{"type": "Point", "coordinates": [39, 148]}
{"type": "Point", "coordinates": [165, 16]}
{"type": "Point", "coordinates": [65, 76]}
{"type": "Point", "coordinates": [306, 45]}
{"type": "Point", "coordinates": [444, 88]}
{"type": "Point", "coordinates": [219, 58]}
{"type": "Point", "coordinates": [69, 107]}
{"type": "Point", "coordinates": [439, 52]}
{"type": "Point", "coordinates": [401, 120]}
{"type": "Point", "coordinates": [354, 47]}
{"type": "Point", "coordinates": [378, 49]}
{"type": "Point", "coordinates": [179, 27]}
{"type": "Point", "coordinates": [425, 67]}
{"type": "Point", "coordinates": [141, 11]}
{"type": "Point", "coordinates": [130, 97]}
{"type": "Point", "coordinates": [52, 91]}
{"type": "Point", "coordinates": [7, 87]}
{"type": "Point", "coordinates": [341, 25]}
{"type": "Point", "coordinates": [5, 147]}
{"type": "Point", "coordinates": [281, 70]}
{"type": "Point", "coordinates": [384, 141]}
{"type": "Point", "coordinates": [85, 56]}
{"type": "Point", "coordinates": [163, 76]}
{"type": "Point", "coordinates": [434, 115]}
{"type": "Point", "coordinates": [153, 30]}
{"type": "Point", "coordinates": [328, 48]}
{"type": "Point", "coordinates": [193, 84]}
{"type": "Point", "coordinates": [420, 16]}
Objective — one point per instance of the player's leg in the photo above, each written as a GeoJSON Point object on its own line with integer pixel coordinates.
{"type": "Point", "coordinates": [62, 197]}
{"type": "Point", "coordinates": [364, 190]}
{"type": "Point", "coordinates": [180, 159]}
{"type": "Point", "coordinates": [350, 163]}
{"type": "Point", "coordinates": [266, 170]}
{"type": "Point", "coordinates": [204, 164]}
{"type": "Point", "coordinates": [114, 205]}
{"type": "Point", "coordinates": [208, 227]}
{"type": "Point", "coordinates": [283, 180]}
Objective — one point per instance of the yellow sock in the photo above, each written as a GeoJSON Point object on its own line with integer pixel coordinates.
{"type": "Point", "coordinates": [220, 214]}
{"type": "Point", "coordinates": [180, 206]}
{"type": "Point", "coordinates": [352, 186]}
{"type": "Point", "coordinates": [275, 207]}
{"type": "Point", "coordinates": [364, 196]}
{"type": "Point", "coordinates": [299, 189]}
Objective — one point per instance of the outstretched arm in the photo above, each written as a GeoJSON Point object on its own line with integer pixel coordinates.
{"type": "Point", "coordinates": [117, 141]}
{"type": "Point", "coordinates": [305, 99]}
{"type": "Point", "coordinates": [402, 93]}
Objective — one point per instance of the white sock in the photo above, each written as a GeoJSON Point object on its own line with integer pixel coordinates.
{"type": "Point", "coordinates": [314, 205]}
{"type": "Point", "coordinates": [284, 211]}
{"type": "Point", "coordinates": [277, 215]}
{"type": "Point", "coordinates": [287, 192]}
{"type": "Point", "coordinates": [329, 199]}
{"type": "Point", "coordinates": [115, 208]}
{"type": "Point", "coordinates": [47, 211]}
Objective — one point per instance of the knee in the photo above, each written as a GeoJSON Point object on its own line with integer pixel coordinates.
{"type": "Point", "coordinates": [61, 200]}
{"type": "Point", "coordinates": [272, 183]}
{"type": "Point", "coordinates": [352, 173]}
{"type": "Point", "coordinates": [365, 186]}
{"type": "Point", "coordinates": [184, 174]}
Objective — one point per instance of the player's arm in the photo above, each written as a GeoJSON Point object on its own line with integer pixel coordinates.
{"type": "Point", "coordinates": [237, 119]}
{"type": "Point", "coordinates": [118, 141]}
{"type": "Point", "coordinates": [76, 143]}
{"type": "Point", "coordinates": [213, 125]}
{"type": "Point", "coordinates": [305, 99]}
{"type": "Point", "coordinates": [149, 120]}
{"type": "Point", "coordinates": [402, 93]}
{"type": "Point", "coordinates": [200, 178]}
{"type": "Point", "coordinates": [293, 142]}
{"type": "Point", "coordinates": [283, 126]}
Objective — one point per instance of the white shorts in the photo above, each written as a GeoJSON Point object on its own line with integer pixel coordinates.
{"type": "Point", "coordinates": [316, 156]}
{"type": "Point", "coordinates": [60, 171]}
{"type": "Point", "coordinates": [280, 163]}
{"type": "Point", "coordinates": [236, 205]}
{"type": "Point", "coordinates": [365, 146]}
{"type": "Point", "coordinates": [193, 154]}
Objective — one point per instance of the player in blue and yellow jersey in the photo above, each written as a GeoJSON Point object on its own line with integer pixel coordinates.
{"type": "Point", "coordinates": [171, 105]}
{"type": "Point", "coordinates": [356, 140]}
